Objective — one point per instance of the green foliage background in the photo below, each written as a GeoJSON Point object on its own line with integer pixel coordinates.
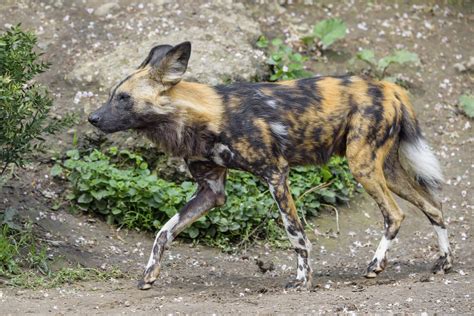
{"type": "Point", "coordinates": [119, 185]}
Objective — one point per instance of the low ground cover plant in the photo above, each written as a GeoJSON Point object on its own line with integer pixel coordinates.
{"type": "Point", "coordinates": [326, 33]}
{"type": "Point", "coordinates": [379, 67]}
{"type": "Point", "coordinates": [118, 185]}
{"type": "Point", "coordinates": [466, 104]}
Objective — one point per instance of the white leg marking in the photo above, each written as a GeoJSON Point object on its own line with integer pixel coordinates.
{"type": "Point", "coordinates": [442, 239]}
{"type": "Point", "coordinates": [272, 190]}
{"type": "Point", "coordinates": [216, 186]}
{"type": "Point", "coordinates": [294, 240]}
{"type": "Point", "coordinates": [301, 273]}
{"type": "Point", "coordinates": [167, 228]}
{"type": "Point", "coordinates": [384, 245]}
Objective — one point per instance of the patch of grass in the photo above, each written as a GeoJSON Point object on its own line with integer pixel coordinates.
{"type": "Point", "coordinates": [8, 251]}
{"type": "Point", "coordinates": [19, 248]}
{"type": "Point", "coordinates": [31, 280]}
{"type": "Point", "coordinates": [24, 261]}
{"type": "Point", "coordinates": [122, 189]}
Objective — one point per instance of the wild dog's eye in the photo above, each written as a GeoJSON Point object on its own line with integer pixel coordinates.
{"type": "Point", "coordinates": [123, 97]}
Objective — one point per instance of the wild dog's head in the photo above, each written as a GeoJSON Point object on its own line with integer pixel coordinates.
{"type": "Point", "coordinates": [140, 98]}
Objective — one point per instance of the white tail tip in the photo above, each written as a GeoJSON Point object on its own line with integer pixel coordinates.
{"type": "Point", "coordinates": [422, 161]}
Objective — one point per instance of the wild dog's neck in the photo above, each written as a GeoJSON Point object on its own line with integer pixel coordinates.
{"type": "Point", "coordinates": [195, 123]}
{"type": "Point", "coordinates": [198, 104]}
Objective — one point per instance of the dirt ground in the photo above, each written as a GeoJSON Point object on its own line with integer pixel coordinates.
{"type": "Point", "coordinates": [202, 280]}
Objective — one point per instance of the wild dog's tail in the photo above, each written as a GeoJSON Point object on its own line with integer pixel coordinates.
{"type": "Point", "coordinates": [415, 154]}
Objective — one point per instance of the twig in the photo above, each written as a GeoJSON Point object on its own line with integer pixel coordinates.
{"type": "Point", "coordinates": [52, 242]}
{"type": "Point", "coordinates": [337, 215]}
{"type": "Point", "coordinates": [4, 168]}
{"type": "Point", "coordinates": [251, 233]}
{"type": "Point", "coordinates": [318, 187]}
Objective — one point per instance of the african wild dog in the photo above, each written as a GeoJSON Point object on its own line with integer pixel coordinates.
{"type": "Point", "coordinates": [265, 128]}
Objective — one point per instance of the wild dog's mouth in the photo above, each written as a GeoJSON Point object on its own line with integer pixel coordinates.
{"type": "Point", "coordinates": [94, 119]}
{"type": "Point", "coordinates": [97, 121]}
{"type": "Point", "coordinates": [113, 123]}
{"type": "Point", "coordinates": [108, 130]}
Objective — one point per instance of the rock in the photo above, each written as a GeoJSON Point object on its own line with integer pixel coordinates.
{"type": "Point", "coordinates": [465, 66]}
{"type": "Point", "coordinates": [222, 49]}
{"type": "Point", "coordinates": [106, 8]}
{"type": "Point", "coordinates": [58, 4]}
{"type": "Point", "coordinates": [265, 266]}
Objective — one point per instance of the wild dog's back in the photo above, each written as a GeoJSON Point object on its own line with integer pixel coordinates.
{"type": "Point", "coordinates": [305, 121]}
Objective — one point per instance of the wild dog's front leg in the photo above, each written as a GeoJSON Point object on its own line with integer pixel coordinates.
{"type": "Point", "coordinates": [278, 183]}
{"type": "Point", "coordinates": [210, 193]}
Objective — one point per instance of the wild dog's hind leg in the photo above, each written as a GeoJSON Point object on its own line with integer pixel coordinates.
{"type": "Point", "coordinates": [402, 185]}
{"type": "Point", "coordinates": [367, 169]}
{"type": "Point", "coordinates": [278, 184]}
{"type": "Point", "coordinates": [210, 193]}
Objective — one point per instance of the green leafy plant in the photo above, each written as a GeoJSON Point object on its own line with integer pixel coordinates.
{"type": "Point", "coordinates": [285, 64]}
{"type": "Point", "coordinates": [379, 68]}
{"type": "Point", "coordinates": [326, 33]}
{"type": "Point", "coordinates": [24, 104]}
{"type": "Point", "coordinates": [466, 103]}
{"type": "Point", "coordinates": [119, 186]}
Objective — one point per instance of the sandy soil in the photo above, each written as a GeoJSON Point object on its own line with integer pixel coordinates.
{"type": "Point", "coordinates": [197, 279]}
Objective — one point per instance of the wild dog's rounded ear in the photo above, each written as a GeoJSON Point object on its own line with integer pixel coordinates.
{"type": "Point", "coordinates": [155, 56]}
{"type": "Point", "coordinates": [172, 66]}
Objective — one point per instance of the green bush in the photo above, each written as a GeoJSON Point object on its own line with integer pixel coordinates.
{"type": "Point", "coordinates": [120, 186]}
{"type": "Point", "coordinates": [24, 104]}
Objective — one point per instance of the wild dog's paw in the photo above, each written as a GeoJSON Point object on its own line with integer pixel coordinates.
{"type": "Point", "coordinates": [443, 264]}
{"type": "Point", "coordinates": [149, 277]}
{"type": "Point", "coordinates": [142, 285]}
{"type": "Point", "coordinates": [375, 267]}
{"type": "Point", "coordinates": [298, 284]}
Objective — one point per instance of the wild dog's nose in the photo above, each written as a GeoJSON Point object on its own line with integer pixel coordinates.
{"type": "Point", "coordinates": [94, 118]}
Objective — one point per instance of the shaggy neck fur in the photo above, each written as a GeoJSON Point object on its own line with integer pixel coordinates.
{"type": "Point", "coordinates": [192, 128]}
